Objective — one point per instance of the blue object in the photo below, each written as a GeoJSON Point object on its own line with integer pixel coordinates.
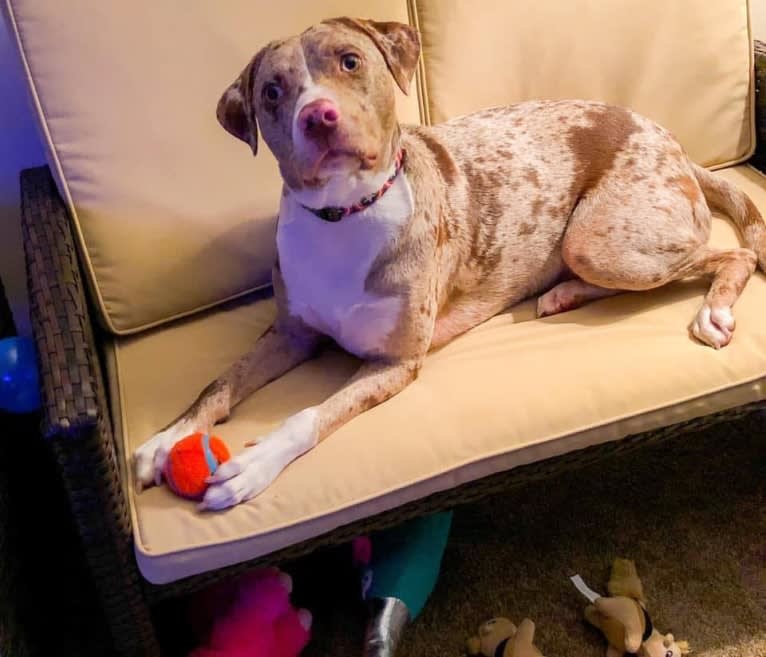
{"type": "Point", "coordinates": [19, 379]}
{"type": "Point", "coordinates": [212, 461]}
{"type": "Point", "coordinates": [406, 561]}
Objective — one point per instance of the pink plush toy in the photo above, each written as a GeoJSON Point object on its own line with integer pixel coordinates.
{"type": "Point", "coordinates": [253, 618]}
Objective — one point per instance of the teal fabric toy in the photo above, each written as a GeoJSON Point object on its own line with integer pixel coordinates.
{"type": "Point", "coordinates": [399, 569]}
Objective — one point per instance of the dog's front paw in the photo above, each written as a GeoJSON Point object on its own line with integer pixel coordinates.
{"type": "Point", "coordinates": [713, 326]}
{"type": "Point", "coordinates": [244, 476]}
{"type": "Point", "coordinates": [149, 459]}
{"type": "Point", "coordinates": [248, 474]}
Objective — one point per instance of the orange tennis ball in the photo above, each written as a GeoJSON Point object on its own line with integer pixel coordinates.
{"type": "Point", "coordinates": [191, 461]}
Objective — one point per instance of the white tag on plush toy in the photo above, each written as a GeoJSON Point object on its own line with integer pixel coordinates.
{"type": "Point", "coordinates": [583, 588]}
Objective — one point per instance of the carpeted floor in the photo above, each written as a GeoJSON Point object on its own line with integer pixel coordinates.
{"type": "Point", "coordinates": [691, 513]}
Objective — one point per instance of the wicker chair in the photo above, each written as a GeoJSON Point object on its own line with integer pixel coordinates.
{"type": "Point", "coordinates": [76, 424]}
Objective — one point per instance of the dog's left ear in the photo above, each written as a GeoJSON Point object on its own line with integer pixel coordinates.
{"type": "Point", "coordinates": [235, 111]}
{"type": "Point", "coordinates": [398, 43]}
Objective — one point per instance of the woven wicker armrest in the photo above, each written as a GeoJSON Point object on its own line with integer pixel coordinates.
{"type": "Point", "coordinates": [69, 370]}
{"type": "Point", "coordinates": [758, 159]}
{"type": "Point", "coordinates": [75, 415]}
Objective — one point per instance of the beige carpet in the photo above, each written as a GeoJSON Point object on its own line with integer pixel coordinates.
{"type": "Point", "coordinates": [691, 513]}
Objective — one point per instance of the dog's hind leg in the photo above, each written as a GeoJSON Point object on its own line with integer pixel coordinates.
{"type": "Point", "coordinates": [644, 243]}
{"type": "Point", "coordinates": [714, 323]}
{"type": "Point", "coordinates": [730, 270]}
{"type": "Point", "coordinates": [570, 295]}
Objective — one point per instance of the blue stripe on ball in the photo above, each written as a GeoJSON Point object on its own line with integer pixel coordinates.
{"type": "Point", "coordinates": [212, 462]}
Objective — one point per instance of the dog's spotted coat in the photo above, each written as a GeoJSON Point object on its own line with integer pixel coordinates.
{"type": "Point", "coordinates": [569, 200]}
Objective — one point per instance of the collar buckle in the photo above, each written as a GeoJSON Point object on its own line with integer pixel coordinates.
{"type": "Point", "coordinates": [331, 214]}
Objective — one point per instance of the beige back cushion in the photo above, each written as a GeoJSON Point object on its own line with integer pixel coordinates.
{"type": "Point", "coordinates": [684, 63]}
{"type": "Point", "coordinates": [173, 213]}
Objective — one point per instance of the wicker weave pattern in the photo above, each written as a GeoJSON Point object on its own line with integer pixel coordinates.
{"type": "Point", "coordinates": [74, 410]}
{"type": "Point", "coordinates": [62, 332]}
{"type": "Point", "coordinates": [76, 423]}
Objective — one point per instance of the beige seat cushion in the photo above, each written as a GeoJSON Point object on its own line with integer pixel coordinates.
{"type": "Point", "coordinates": [503, 395]}
{"type": "Point", "coordinates": [173, 214]}
{"type": "Point", "coordinates": [686, 64]}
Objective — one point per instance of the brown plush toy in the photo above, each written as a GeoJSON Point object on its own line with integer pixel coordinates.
{"type": "Point", "coordinates": [499, 637]}
{"type": "Point", "coordinates": [623, 618]}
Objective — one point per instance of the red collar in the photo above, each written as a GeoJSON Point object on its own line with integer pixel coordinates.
{"type": "Point", "coordinates": [334, 214]}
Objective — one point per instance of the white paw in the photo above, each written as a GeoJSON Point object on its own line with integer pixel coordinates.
{"type": "Point", "coordinates": [244, 476]}
{"type": "Point", "coordinates": [249, 473]}
{"type": "Point", "coordinates": [714, 326]}
{"type": "Point", "coordinates": [150, 458]}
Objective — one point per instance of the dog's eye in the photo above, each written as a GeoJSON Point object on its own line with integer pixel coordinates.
{"type": "Point", "coordinates": [669, 653]}
{"type": "Point", "coordinates": [272, 92]}
{"type": "Point", "coordinates": [350, 62]}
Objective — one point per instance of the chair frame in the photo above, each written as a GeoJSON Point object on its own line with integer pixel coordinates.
{"type": "Point", "coordinates": [77, 427]}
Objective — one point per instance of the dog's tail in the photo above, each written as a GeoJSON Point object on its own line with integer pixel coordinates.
{"type": "Point", "coordinates": [724, 197]}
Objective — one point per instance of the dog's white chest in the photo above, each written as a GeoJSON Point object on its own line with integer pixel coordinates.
{"type": "Point", "coordinates": [325, 267]}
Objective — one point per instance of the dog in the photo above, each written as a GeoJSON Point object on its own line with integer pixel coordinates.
{"type": "Point", "coordinates": [393, 240]}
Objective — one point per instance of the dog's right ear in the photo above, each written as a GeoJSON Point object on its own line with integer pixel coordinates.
{"type": "Point", "coordinates": [235, 111]}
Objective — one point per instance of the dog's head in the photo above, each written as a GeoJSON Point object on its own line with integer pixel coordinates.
{"type": "Point", "coordinates": [324, 100]}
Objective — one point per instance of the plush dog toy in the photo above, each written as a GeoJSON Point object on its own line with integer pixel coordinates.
{"type": "Point", "coordinates": [623, 617]}
{"type": "Point", "coordinates": [499, 637]}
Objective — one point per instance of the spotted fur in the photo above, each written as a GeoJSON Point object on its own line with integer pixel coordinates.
{"type": "Point", "coordinates": [571, 200]}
